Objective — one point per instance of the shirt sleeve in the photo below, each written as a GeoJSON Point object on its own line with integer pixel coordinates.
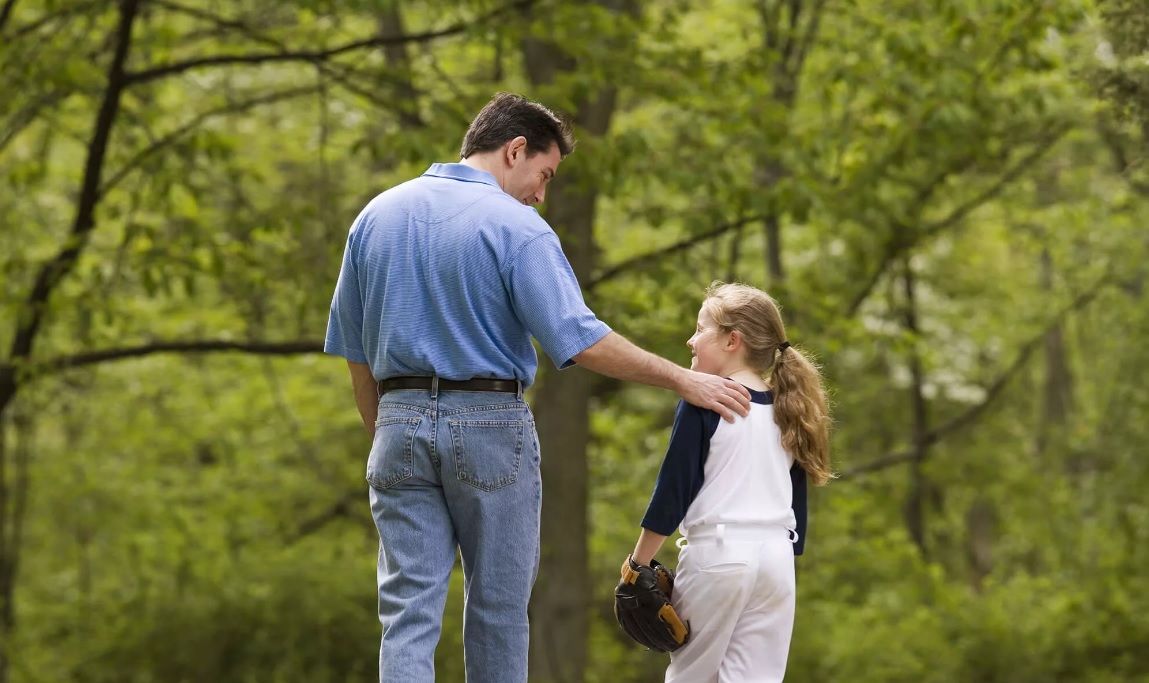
{"type": "Point", "coordinates": [682, 473]}
{"type": "Point", "coordinates": [546, 296]}
{"type": "Point", "coordinates": [798, 481]}
{"type": "Point", "coordinates": [345, 321]}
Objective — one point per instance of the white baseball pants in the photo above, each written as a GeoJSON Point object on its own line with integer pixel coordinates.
{"type": "Point", "coordinates": [735, 584]}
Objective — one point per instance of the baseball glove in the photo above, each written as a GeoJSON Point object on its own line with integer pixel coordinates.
{"type": "Point", "coordinates": [642, 607]}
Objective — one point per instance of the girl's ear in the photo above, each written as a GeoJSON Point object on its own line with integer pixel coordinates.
{"type": "Point", "coordinates": [734, 341]}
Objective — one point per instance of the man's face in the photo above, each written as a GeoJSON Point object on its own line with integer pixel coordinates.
{"type": "Point", "coordinates": [526, 177]}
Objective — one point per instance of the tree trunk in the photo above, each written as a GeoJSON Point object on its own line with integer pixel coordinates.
{"type": "Point", "coordinates": [788, 30]}
{"type": "Point", "coordinates": [33, 313]}
{"type": "Point", "coordinates": [398, 62]}
{"type": "Point", "coordinates": [770, 171]}
{"type": "Point", "coordinates": [1057, 397]}
{"type": "Point", "coordinates": [1057, 394]}
{"type": "Point", "coordinates": [735, 255]}
{"type": "Point", "coordinates": [980, 521]}
{"type": "Point", "coordinates": [7, 562]}
{"type": "Point", "coordinates": [560, 605]}
{"type": "Point", "coordinates": [915, 507]}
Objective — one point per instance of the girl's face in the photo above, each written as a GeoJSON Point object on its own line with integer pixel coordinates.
{"type": "Point", "coordinates": [709, 346]}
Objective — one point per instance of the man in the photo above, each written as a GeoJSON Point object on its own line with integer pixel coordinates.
{"type": "Point", "coordinates": [445, 279]}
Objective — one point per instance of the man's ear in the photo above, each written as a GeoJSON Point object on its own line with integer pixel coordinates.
{"type": "Point", "coordinates": [516, 150]}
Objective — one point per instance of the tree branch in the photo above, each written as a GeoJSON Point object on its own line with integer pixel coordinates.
{"type": "Point", "coordinates": [28, 115]}
{"type": "Point", "coordinates": [1121, 160]}
{"type": "Point", "coordinates": [810, 35]}
{"type": "Point", "coordinates": [795, 11]}
{"type": "Point", "coordinates": [636, 262]}
{"type": "Point", "coordinates": [1042, 146]}
{"type": "Point", "coordinates": [41, 22]}
{"type": "Point", "coordinates": [346, 506]}
{"type": "Point", "coordinates": [219, 22]}
{"type": "Point", "coordinates": [769, 13]}
{"type": "Point", "coordinates": [341, 76]}
{"type": "Point", "coordinates": [173, 136]}
{"type": "Point", "coordinates": [317, 56]}
{"type": "Point", "coordinates": [992, 392]}
{"type": "Point", "coordinates": [53, 272]}
{"type": "Point", "coordinates": [86, 358]}
{"type": "Point", "coordinates": [898, 247]}
{"type": "Point", "coordinates": [6, 12]}
{"type": "Point", "coordinates": [901, 238]}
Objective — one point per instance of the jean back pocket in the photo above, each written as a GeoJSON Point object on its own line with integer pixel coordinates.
{"type": "Point", "coordinates": [392, 453]}
{"type": "Point", "coordinates": [488, 453]}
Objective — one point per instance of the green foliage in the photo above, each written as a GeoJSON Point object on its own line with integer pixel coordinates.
{"type": "Point", "coordinates": [201, 516]}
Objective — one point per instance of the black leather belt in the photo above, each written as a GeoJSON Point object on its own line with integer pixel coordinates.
{"type": "Point", "coordinates": [477, 384]}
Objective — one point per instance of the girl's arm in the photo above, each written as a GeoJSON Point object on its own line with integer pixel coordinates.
{"type": "Point", "coordinates": [648, 545]}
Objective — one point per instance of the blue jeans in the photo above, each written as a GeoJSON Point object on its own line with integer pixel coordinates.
{"type": "Point", "coordinates": [455, 469]}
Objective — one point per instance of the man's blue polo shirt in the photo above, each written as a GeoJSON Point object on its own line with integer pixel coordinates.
{"type": "Point", "coordinates": [447, 274]}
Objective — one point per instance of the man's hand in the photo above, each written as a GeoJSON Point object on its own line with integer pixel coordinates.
{"type": "Point", "coordinates": [615, 357]}
{"type": "Point", "coordinates": [724, 396]}
{"type": "Point", "coordinates": [366, 394]}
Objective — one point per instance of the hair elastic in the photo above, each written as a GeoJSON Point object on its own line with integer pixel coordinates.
{"type": "Point", "coordinates": [783, 346]}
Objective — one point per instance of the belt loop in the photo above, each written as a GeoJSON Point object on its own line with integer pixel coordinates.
{"type": "Point", "coordinates": [378, 388]}
{"type": "Point", "coordinates": [434, 386]}
{"type": "Point", "coordinates": [519, 389]}
{"type": "Point", "coordinates": [721, 533]}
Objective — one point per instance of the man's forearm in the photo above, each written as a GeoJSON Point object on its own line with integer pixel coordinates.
{"type": "Point", "coordinates": [366, 394]}
{"type": "Point", "coordinates": [616, 357]}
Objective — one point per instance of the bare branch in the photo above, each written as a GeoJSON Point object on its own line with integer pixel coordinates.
{"type": "Point", "coordinates": [636, 262]}
{"type": "Point", "coordinates": [907, 240]}
{"type": "Point", "coordinates": [219, 22]}
{"type": "Point", "coordinates": [28, 115]}
{"type": "Point", "coordinates": [171, 138]}
{"type": "Point", "coordinates": [318, 56]}
{"type": "Point", "coordinates": [340, 74]}
{"type": "Point", "coordinates": [344, 507]}
{"type": "Point", "coordinates": [992, 392]}
{"type": "Point", "coordinates": [79, 360]}
{"type": "Point", "coordinates": [1041, 147]}
{"type": "Point", "coordinates": [6, 12]}
{"type": "Point", "coordinates": [41, 22]}
{"type": "Point", "coordinates": [901, 237]}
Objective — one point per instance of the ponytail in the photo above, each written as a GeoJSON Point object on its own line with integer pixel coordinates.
{"type": "Point", "coordinates": [802, 413]}
{"type": "Point", "coordinates": [801, 410]}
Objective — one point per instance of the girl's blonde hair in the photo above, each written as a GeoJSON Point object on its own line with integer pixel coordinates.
{"type": "Point", "coordinates": [800, 406]}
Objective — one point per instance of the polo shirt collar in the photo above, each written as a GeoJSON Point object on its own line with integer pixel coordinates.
{"type": "Point", "coordinates": [461, 172]}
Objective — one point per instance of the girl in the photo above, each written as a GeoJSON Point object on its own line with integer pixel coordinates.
{"type": "Point", "coordinates": [737, 491]}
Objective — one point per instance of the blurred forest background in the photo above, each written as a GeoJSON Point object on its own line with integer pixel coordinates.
{"type": "Point", "coordinates": [949, 197]}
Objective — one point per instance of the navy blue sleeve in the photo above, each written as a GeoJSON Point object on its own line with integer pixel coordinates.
{"type": "Point", "coordinates": [681, 475]}
{"type": "Point", "coordinates": [798, 481]}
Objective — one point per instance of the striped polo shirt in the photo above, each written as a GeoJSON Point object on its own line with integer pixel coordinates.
{"type": "Point", "coordinates": [731, 473]}
{"type": "Point", "coordinates": [447, 274]}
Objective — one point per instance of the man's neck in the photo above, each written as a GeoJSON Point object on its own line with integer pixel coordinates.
{"type": "Point", "coordinates": [484, 162]}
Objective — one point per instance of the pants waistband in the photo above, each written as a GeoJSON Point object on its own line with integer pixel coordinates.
{"type": "Point", "coordinates": [435, 384]}
{"type": "Point", "coordinates": [719, 533]}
